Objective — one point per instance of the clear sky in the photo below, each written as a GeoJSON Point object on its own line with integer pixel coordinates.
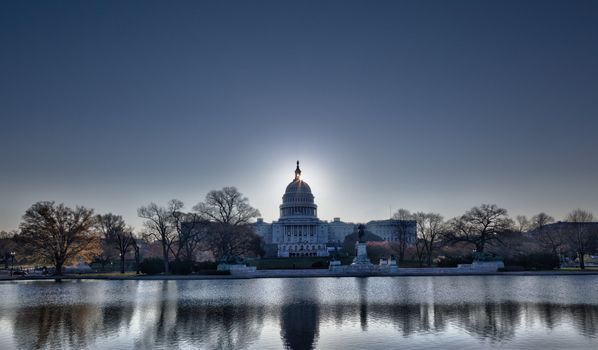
{"type": "Point", "coordinates": [426, 105]}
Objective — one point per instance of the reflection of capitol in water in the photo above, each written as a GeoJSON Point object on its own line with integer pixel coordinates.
{"type": "Point", "coordinates": [299, 325]}
{"type": "Point", "coordinates": [234, 315]}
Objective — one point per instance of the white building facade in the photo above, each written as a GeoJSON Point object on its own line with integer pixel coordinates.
{"type": "Point", "coordinates": [299, 233]}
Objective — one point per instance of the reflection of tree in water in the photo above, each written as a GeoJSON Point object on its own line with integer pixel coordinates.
{"type": "Point", "coordinates": [499, 321]}
{"type": "Point", "coordinates": [585, 318]}
{"type": "Point", "coordinates": [220, 327]}
{"type": "Point", "coordinates": [116, 317]}
{"type": "Point", "coordinates": [489, 321]}
{"type": "Point", "coordinates": [200, 324]}
{"type": "Point", "coordinates": [57, 326]}
{"type": "Point", "coordinates": [494, 321]}
{"type": "Point", "coordinates": [299, 325]}
{"type": "Point", "coordinates": [79, 326]}
{"type": "Point", "coordinates": [74, 325]}
{"type": "Point", "coordinates": [205, 324]}
{"type": "Point", "coordinates": [158, 320]}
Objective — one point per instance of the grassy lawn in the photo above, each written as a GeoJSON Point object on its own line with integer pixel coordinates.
{"type": "Point", "coordinates": [105, 274]}
{"type": "Point", "coordinates": [293, 263]}
{"type": "Point", "coordinates": [309, 263]}
{"type": "Point", "coordinates": [589, 268]}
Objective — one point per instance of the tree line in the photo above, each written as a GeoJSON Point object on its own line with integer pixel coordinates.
{"type": "Point", "coordinates": [55, 234]}
{"type": "Point", "coordinates": [487, 229]}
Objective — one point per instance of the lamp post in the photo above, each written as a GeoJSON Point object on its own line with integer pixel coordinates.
{"type": "Point", "coordinates": [12, 258]}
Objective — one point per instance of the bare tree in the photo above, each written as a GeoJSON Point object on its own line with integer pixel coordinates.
{"type": "Point", "coordinates": [7, 245]}
{"type": "Point", "coordinates": [226, 240]}
{"type": "Point", "coordinates": [105, 254]}
{"type": "Point", "coordinates": [59, 234]}
{"type": "Point", "coordinates": [429, 227]}
{"type": "Point", "coordinates": [551, 238]}
{"type": "Point", "coordinates": [420, 250]}
{"type": "Point", "coordinates": [523, 223]}
{"type": "Point", "coordinates": [137, 253]}
{"type": "Point", "coordinates": [227, 206]}
{"type": "Point", "coordinates": [403, 214]}
{"type": "Point", "coordinates": [194, 233]}
{"type": "Point", "coordinates": [117, 234]}
{"type": "Point", "coordinates": [541, 220]}
{"type": "Point", "coordinates": [230, 213]}
{"type": "Point", "coordinates": [479, 226]}
{"type": "Point", "coordinates": [159, 225]}
{"type": "Point", "coordinates": [582, 237]}
{"type": "Point", "coordinates": [190, 230]}
{"type": "Point", "coordinates": [403, 232]}
{"type": "Point", "coordinates": [176, 218]}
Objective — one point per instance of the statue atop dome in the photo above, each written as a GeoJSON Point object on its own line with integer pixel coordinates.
{"type": "Point", "coordinates": [298, 201]}
{"type": "Point", "coordinates": [297, 172]}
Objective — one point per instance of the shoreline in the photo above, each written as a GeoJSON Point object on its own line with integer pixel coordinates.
{"type": "Point", "coordinates": [307, 273]}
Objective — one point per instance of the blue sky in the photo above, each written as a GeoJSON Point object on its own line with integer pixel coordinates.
{"type": "Point", "coordinates": [426, 105]}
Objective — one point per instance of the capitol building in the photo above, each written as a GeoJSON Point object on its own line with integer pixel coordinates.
{"type": "Point", "coordinates": [299, 231]}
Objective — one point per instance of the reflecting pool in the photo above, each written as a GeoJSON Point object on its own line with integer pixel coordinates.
{"type": "Point", "coordinates": [468, 312]}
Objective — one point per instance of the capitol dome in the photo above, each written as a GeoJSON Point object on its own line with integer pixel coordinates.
{"type": "Point", "coordinates": [298, 199]}
{"type": "Point", "coordinates": [298, 186]}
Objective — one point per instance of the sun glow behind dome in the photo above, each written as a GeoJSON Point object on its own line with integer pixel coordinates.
{"type": "Point", "coordinates": [314, 174]}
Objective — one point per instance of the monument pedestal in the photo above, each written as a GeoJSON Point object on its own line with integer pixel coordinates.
{"type": "Point", "coordinates": [361, 258]}
{"type": "Point", "coordinates": [362, 266]}
{"type": "Point", "coordinates": [361, 262]}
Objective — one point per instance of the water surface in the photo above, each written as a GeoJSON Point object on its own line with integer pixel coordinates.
{"type": "Point", "coordinates": [468, 312]}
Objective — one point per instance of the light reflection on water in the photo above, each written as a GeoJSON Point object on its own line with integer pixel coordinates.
{"type": "Point", "coordinates": [470, 312]}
